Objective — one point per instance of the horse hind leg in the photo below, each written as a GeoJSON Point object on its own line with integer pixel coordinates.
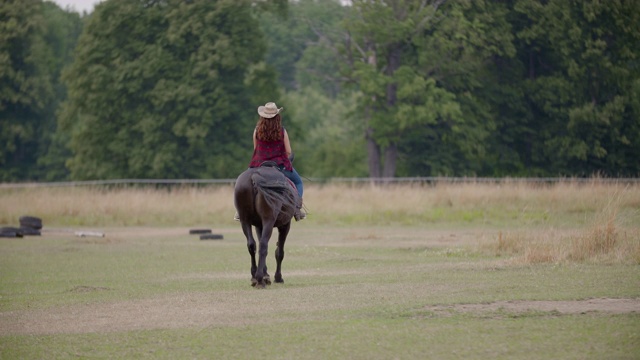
{"type": "Point", "coordinates": [266, 278]}
{"type": "Point", "coordinates": [262, 277]}
{"type": "Point", "coordinates": [283, 231]}
{"type": "Point", "coordinates": [251, 247]}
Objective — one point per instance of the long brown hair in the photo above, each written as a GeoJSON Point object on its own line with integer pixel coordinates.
{"type": "Point", "coordinates": [269, 129]}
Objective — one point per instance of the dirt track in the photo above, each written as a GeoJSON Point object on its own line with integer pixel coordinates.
{"type": "Point", "coordinates": [614, 306]}
{"type": "Point", "coordinates": [201, 310]}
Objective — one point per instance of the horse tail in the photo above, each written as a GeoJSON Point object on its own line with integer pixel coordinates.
{"type": "Point", "coordinates": [277, 192]}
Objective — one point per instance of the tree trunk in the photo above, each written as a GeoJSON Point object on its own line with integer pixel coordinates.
{"type": "Point", "coordinates": [373, 154]}
{"type": "Point", "coordinates": [391, 152]}
{"type": "Point", "coordinates": [373, 149]}
{"type": "Point", "coordinates": [390, 158]}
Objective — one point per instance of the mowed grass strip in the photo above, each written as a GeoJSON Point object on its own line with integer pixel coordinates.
{"type": "Point", "coordinates": [592, 336]}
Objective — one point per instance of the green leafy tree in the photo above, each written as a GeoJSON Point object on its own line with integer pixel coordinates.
{"type": "Point", "coordinates": [379, 35]}
{"type": "Point", "coordinates": [37, 42]}
{"type": "Point", "coordinates": [299, 45]}
{"type": "Point", "coordinates": [62, 31]}
{"type": "Point", "coordinates": [417, 64]}
{"type": "Point", "coordinates": [453, 58]}
{"type": "Point", "coordinates": [302, 49]}
{"type": "Point", "coordinates": [319, 65]}
{"type": "Point", "coordinates": [165, 89]}
{"type": "Point", "coordinates": [26, 89]}
{"type": "Point", "coordinates": [582, 85]}
{"type": "Point", "coordinates": [331, 146]}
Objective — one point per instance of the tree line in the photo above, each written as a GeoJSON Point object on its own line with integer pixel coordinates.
{"type": "Point", "coordinates": [169, 89]}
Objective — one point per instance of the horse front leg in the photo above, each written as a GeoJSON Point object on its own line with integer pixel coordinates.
{"type": "Point", "coordinates": [262, 277]}
{"type": "Point", "coordinates": [283, 231]}
{"type": "Point", "coordinates": [251, 246]}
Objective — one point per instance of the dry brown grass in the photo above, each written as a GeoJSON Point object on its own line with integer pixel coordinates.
{"type": "Point", "coordinates": [569, 221]}
{"type": "Point", "coordinates": [604, 240]}
{"type": "Point", "coordinates": [507, 204]}
{"type": "Point", "coordinates": [84, 206]}
{"type": "Point", "coordinates": [570, 196]}
{"type": "Point", "coordinates": [334, 199]}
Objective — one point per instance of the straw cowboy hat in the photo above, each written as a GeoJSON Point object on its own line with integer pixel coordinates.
{"type": "Point", "coordinates": [269, 110]}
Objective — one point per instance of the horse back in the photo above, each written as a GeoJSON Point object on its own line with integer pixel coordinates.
{"type": "Point", "coordinates": [262, 193]}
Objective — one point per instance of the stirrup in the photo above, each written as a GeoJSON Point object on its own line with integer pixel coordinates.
{"type": "Point", "coordinates": [299, 215]}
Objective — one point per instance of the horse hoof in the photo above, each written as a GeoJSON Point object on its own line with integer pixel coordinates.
{"type": "Point", "coordinates": [266, 280]}
{"type": "Point", "coordinates": [260, 285]}
{"type": "Point", "coordinates": [254, 282]}
{"type": "Point", "coordinates": [279, 280]}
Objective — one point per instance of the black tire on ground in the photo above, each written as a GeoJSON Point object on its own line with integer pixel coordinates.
{"type": "Point", "coordinates": [200, 231]}
{"type": "Point", "coordinates": [31, 222]}
{"type": "Point", "coordinates": [211, 237]}
{"type": "Point", "coordinates": [10, 232]}
{"type": "Point", "coordinates": [27, 231]}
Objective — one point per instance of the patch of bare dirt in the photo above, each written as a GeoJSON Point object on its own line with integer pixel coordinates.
{"type": "Point", "coordinates": [186, 310]}
{"type": "Point", "coordinates": [613, 306]}
{"type": "Point", "coordinates": [222, 309]}
{"type": "Point", "coordinates": [180, 311]}
{"type": "Point", "coordinates": [87, 289]}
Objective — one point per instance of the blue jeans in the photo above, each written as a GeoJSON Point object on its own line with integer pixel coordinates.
{"type": "Point", "coordinates": [295, 178]}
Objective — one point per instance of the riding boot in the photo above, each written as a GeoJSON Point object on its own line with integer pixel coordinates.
{"type": "Point", "coordinates": [299, 214]}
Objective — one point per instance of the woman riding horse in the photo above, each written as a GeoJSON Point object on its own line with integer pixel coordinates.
{"type": "Point", "coordinates": [265, 196]}
{"type": "Point", "coordinates": [271, 143]}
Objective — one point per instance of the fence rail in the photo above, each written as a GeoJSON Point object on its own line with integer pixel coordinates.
{"type": "Point", "coordinates": [395, 180]}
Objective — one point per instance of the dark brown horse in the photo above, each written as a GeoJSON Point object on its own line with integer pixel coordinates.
{"type": "Point", "coordinates": [265, 199]}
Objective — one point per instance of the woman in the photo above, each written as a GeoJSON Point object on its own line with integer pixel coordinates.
{"type": "Point", "coordinates": [271, 143]}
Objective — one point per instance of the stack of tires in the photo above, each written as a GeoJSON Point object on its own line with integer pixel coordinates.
{"type": "Point", "coordinates": [29, 226]}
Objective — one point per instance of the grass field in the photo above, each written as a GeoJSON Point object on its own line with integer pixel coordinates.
{"type": "Point", "coordinates": [446, 272]}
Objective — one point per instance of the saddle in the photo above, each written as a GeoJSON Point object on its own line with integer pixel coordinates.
{"type": "Point", "coordinates": [298, 215]}
{"type": "Point", "coordinates": [273, 164]}
{"type": "Point", "coordinates": [270, 163]}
